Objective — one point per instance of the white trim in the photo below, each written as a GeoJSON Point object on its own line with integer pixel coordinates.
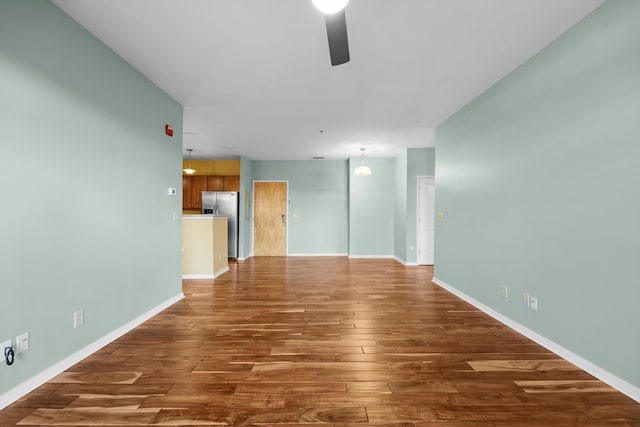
{"type": "Point", "coordinates": [598, 372]}
{"type": "Point", "coordinates": [29, 385]}
{"type": "Point", "coordinates": [372, 256]}
{"type": "Point", "coordinates": [244, 258]}
{"type": "Point", "coordinates": [405, 263]}
{"type": "Point", "coordinates": [320, 255]}
{"type": "Point", "coordinates": [206, 276]}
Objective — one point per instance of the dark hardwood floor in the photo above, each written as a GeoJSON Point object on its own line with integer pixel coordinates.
{"type": "Point", "coordinates": [287, 341]}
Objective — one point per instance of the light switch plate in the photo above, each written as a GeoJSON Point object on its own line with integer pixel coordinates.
{"type": "Point", "coordinates": [22, 342]}
{"type": "Point", "coordinates": [78, 318]}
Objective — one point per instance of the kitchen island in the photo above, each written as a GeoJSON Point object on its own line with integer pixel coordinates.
{"type": "Point", "coordinates": [204, 246]}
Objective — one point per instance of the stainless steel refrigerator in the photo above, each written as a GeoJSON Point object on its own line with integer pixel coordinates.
{"type": "Point", "coordinates": [224, 203]}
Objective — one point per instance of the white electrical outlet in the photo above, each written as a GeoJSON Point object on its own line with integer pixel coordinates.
{"type": "Point", "coordinates": [5, 344]}
{"type": "Point", "coordinates": [78, 318]}
{"type": "Point", "coordinates": [534, 303]}
{"type": "Point", "coordinates": [504, 292]}
{"type": "Point", "coordinates": [22, 342]}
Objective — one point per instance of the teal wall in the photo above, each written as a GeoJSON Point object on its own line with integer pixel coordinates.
{"type": "Point", "coordinates": [372, 202]}
{"type": "Point", "coordinates": [88, 223]}
{"type": "Point", "coordinates": [245, 219]}
{"type": "Point", "coordinates": [400, 209]}
{"type": "Point", "coordinates": [331, 211]}
{"type": "Point", "coordinates": [538, 181]}
{"type": "Point", "coordinates": [318, 203]}
{"type": "Point", "coordinates": [420, 162]}
{"type": "Point", "coordinates": [409, 165]}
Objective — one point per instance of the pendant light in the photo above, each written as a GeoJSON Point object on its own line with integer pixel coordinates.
{"type": "Point", "coordinates": [363, 169]}
{"type": "Point", "coordinates": [330, 6]}
{"type": "Point", "coordinates": [189, 170]}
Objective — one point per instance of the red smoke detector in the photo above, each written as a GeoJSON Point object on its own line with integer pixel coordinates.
{"type": "Point", "coordinates": [168, 130]}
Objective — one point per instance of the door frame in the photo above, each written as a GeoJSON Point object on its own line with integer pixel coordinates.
{"type": "Point", "coordinates": [419, 244]}
{"type": "Point", "coordinates": [253, 204]}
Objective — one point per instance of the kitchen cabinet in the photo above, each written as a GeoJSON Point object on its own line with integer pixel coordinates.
{"type": "Point", "coordinates": [192, 188]}
{"type": "Point", "coordinates": [186, 191]}
{"type": "Point", "coordinates": [231, 183]}
{"type": "Point", "coordinates": [198, 185]}
{"type": "Point", "coordinates": [194, 185]}
{"type": "Point", "coordinates": [215, 183]}
{"type": "Point", "coordinates": [204, 242]}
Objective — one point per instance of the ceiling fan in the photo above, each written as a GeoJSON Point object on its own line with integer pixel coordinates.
{"type": "Point", "coordinates": [336, 29]}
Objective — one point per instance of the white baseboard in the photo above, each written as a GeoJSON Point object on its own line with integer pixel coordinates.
{"type": "Point", "coordinates": [405, 263]}
{"type": "Point", "coordinates": [371, 256]}
{"type": "Point", "coordinates": [319, 255]}
{"type": "Point", "coordinates": [598, 372]}
{"type": "Point", "coordinates": [206, 276]}
{"type": "Point", "coordinates": [29, 385]}
{"type": "Point", "coordinates": [221, 272]}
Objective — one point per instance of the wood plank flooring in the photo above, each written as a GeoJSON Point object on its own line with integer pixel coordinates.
{"type": "Point", "coordinates": [333, 341]}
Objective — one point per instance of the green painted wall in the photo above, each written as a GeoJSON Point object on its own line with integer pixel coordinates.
{"type": "Point", "coordinates": [318, 203]}
{"type": "Point", "coordinates": [538, 181]}
{"type": "Point", "coordinates": [420, 162]}
{"type": "Point", "coordinates": [88, 225]}
{"type": "Point", "coordinates": [409, 165]}
{"type": "Point", "coordinates": [400, 208]}
{"type": "Point", "coordinates": [245, 219]}
{"type": "Point", "coordinates": [372, 202]}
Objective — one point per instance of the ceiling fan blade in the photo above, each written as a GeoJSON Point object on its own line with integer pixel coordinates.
{"type": "Point", "coordinates": [337, 35]}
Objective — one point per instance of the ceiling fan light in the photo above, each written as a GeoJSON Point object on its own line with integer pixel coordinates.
{"type": "Point", "coordinates": [362, 170]}
{"type": "Point", "coordinates": [330, 6]}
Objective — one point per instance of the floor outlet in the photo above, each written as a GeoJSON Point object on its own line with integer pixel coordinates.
{"type": "Point", "coordinates": [22, 342]}
{"type": "Point", "coordinates": [78, 318]}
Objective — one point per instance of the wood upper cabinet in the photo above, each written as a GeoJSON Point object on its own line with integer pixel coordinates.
{"type": "Point", "coordinates": [186, 191]}
{"type": "Point", "coordinates": [198, 185]}
{"type": "Point", "coordinates": [194, 185]}
{"type": "Point", "coordinates": [215, 183]}
{"type": "Point", "coordinates": [231, 183]}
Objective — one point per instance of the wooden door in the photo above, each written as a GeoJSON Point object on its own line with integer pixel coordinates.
{"type": "Point", "coordinates": [426, 220]}
{"type": "Point", "coordinates": [270, 219]}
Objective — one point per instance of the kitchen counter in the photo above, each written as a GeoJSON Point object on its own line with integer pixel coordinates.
{"type": "Point", "coordinates": [204, 246]}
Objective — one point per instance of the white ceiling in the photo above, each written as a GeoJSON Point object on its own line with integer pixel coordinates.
{"type": "Point", "coordinates": [255, 74]}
